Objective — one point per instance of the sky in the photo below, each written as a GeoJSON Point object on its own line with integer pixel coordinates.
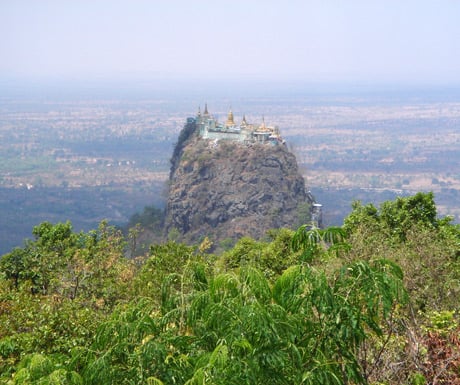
{"type": "Point", "coordinates": [373, 41]}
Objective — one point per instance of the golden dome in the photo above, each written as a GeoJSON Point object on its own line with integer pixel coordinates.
{"type": "Point", "coordinates": [230, 121]}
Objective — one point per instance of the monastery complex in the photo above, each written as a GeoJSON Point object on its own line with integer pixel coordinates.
{"type": "Point", "coordinates": [209, 128]}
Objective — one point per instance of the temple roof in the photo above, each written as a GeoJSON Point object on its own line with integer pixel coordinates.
{"type": "Point", "coordinates": [230, 121]}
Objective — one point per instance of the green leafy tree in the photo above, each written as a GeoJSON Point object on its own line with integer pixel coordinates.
{"type": "Point", "coordinates": [163, 260]}
{"type": "Point", "coordinates": [12, 266]}
{"type": "Point", "coordinates": [408, 232]}
{"type": "Point", "coordinates": [238, 328]}
{"type": "Point", "coordinates": [315, 242]}
{"type": "Point", "coordinates": [63, 263]}
{"type": "Point", "coordinates": [47, 256]}
{"type": "Point", "coordinates": [315, 306]}
{"type": "Point", "coordinates": [46, 324]}
{"type": "Point", "coordinates": [272, 257]}
{"type": "Point", "coordinates": [55, 290]}
{"type": "Point", "coordinates": [397, 217]}
{"type": "Point", "coordinates": [38, 369]}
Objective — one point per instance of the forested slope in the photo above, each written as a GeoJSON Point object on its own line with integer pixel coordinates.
{"type": "Point", "coordinates": [373, 301]}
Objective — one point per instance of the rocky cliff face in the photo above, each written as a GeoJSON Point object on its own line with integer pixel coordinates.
{"type": "Point", "coordinates": [226, 189]}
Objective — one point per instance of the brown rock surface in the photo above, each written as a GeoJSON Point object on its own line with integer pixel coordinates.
{"type": "Point", "coordinates": [224, 189]}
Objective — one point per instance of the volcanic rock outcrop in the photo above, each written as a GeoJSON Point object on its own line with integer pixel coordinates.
{"type": "Point", "coordinates": [225, 189]}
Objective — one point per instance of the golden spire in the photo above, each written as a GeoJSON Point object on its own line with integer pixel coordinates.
{"type": "Point", "coordinates": [230, 121]}
{"type": "Point", "coordinates": [262, 126]}
{"type": "Point", "coordinates": [206, 113]}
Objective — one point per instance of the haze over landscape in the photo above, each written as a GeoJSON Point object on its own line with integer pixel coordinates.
{"type": "Point", "coordinates": [84, 85]}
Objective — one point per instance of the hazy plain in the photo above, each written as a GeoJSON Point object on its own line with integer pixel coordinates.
{"type": "Point", "coordinates": [90, 153]}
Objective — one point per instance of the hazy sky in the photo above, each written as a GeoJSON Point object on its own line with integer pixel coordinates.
{"type": "Point", "coordinates": [334, 40]}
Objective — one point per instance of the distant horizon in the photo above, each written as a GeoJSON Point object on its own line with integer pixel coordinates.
{"type": "Point", "coordinates": [151, 78]}
{"type": "Point", "coordinates": [186, 87]}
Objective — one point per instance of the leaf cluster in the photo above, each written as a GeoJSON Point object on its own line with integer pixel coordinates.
{"type": "Point", "coordinates": [315, 306]}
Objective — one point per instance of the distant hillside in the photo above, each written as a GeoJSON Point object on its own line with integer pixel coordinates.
{"type": "Point", "coordinates": [225, 189]}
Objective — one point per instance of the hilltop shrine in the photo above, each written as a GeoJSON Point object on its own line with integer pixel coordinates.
{"type": "Point", "coordinates": [208, 127]}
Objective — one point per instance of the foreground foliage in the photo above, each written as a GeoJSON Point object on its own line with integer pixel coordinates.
{"type": "Point", "coordinates": [236, 328]}
{"type": "Point", "coordinates": [314, 306]}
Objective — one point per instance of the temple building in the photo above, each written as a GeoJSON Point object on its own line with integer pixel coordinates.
{"type": "Point", "coordinates": [209, 128]}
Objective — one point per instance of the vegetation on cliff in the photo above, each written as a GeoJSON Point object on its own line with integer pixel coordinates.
{"type": "Point", "coordinates": [373, 301]}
